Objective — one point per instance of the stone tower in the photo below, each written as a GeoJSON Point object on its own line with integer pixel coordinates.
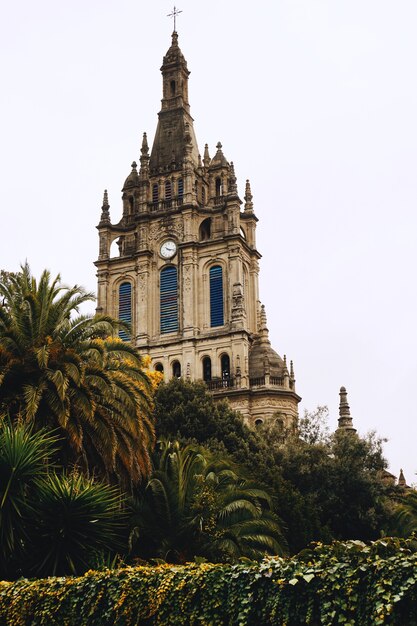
{"type": "Point", "coordinates": [186, 272]}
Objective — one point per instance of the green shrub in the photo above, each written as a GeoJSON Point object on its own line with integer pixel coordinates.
{"type": "Point", "coordinates": [345, 583]}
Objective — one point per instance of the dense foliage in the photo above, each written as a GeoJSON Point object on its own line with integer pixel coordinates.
{"type": "Point", "coordinates": [197, 505]}
{"type": "Point", "coordinates": [51, 522]}
{"type": "Point", "coordinates": [345, 583]}
{"type": "Point", "coordinates": [325, 487]}
{"type": "Point", "coordinates": [77, 416]}
{"type": "Point", "coordinates": [71, 373]}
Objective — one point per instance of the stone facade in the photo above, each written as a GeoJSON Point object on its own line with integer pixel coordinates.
{"type": "Point", "coordinates": [188, 266]}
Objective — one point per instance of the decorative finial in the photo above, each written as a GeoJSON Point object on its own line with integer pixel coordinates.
{"type": "Point", "coordinates": [200, 164]}
{"type": "Point", "coordinates": [206, 158]}
{"type": "Point", "coordinates": [219, 145]}
{"type": "Point", "coordinates": [232, 180]}
{"type": "Point", "coordinates": [134, 165]}
{"type": "Point", "coordinates": [262, 320]}
{"type": "Point", "coordinates": [401, 479]}
{"type": "Point", "coordinates": [145, 148]}
{"type": "Point", "coordinates": [144, 158]}
{"type": "Point", "coordinates": [174, 14]}
{"type": "Point", "coordinates": [292, 370]}
{"type": "Point", "coordinates": [248, 197]}
{"type": "Point", "coordinates": [188, 139]}
{"type": "Point", "coordinates": [345, 419]}
{"type": "Point", "coordinates": [105, 213]}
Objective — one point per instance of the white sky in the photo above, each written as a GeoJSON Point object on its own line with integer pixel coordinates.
{"type": "Point", "coordinates": [315, 101]}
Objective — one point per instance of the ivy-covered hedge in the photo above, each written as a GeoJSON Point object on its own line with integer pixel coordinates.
{"type": "Point", "coordinates": [344, 583]}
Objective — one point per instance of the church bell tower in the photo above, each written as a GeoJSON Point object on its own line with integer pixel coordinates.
{"type": "Point", "coordinates": [186, 272]}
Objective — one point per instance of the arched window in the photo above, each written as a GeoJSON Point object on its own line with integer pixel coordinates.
{"type": "Point", "coordinates": [155, 192]}
{"type": "Point", "coordinates": [169, 299]}
{"type": "Point", "coordinates": [180, 186]}
{"type": "Point", "coordinates": [259, 422]}
{"type": "Point", "coordinates": [172, 86]}
{"type": "Point", "coordinates": [205, 229]}
{"type": "Point", "coordinates": [216, 296]}
{"type": "Point", "coordinates": [225, 367]}
{"type": "Point", "coordinates": [176, 369]}
{"type": "Point", "coordinates": [206, 369]}
{"type": "Point", "coordinates": [125, 308]}
{"type": "Point", "coordinates": [218, 187]}
{"type": "Point", "coordinates": [159, 368]}
{"type": "Point", "coordinates": [168, 190]}
{"type": "Point", "coordinates": [203, 195]}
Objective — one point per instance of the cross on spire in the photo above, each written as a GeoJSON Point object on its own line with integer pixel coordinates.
{"type": "Point", "coordinates": [174, 14]}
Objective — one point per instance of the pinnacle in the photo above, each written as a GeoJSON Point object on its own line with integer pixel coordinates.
{"type": "Point", "coordinates": [345, 419]}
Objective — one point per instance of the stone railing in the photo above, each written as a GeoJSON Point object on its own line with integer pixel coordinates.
{"type": "Point", "coordinates": [218, 200]}
{"type": "Point", "coordinates": [238, 382]}
{"type": "Point", "coordinates": [165, 205]}
{"type": "Point", "coordinates": [218, 384]}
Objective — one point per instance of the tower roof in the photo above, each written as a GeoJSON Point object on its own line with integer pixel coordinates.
{"type": "Point", "coordinates": [174, 138]}
{"type": "Point", "coordinates": [262, 357]}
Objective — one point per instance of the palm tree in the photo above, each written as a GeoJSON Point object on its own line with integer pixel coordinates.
{"type": "Point", "coordinates": [195, 504]}
{"type": "Point", "coordinates": [405, 514]}
{"type": "Point", "coordinates": [50, 523]}
{"type": "Point", "coordinates": [75, 375]}
{"type": "Point", "coordinates": [74, 520]}
{"type": "Point", "coordinates": [23, 460]}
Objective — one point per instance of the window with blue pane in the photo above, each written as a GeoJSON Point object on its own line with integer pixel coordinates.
{"type": "Point", "coordinates": [180, 188]}
{"type": "Point", "coordinates": [216, 296]}
{"type": "Point", "coordinates": [125, 308]}
{"type": "Point", "coordinates": [169, 299]}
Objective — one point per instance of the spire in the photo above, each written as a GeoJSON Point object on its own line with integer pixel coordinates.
{"type": "Point", "coordinates": [144, 158]}
{"type": "Point", "coordinates": [262, 319]}
{"type": "Point", "coordinates": [345, 420]}
{"type": "Point", "coordinates": [401, 479]}
{"type": "Point", "coordinates": [206, 158]}
{"type": "Point", "coordinates": [145, 148]}
{"type": "Point", "coordinates": [248, 198]}
{"type": "Point", "coordinates": [232, 179]}
{"type": "Point", "coordinates": [174, 115]}
{"type": "Point", "coordinates": [292, 370]}
{"type": "Point", "coordinates": [105, 210]}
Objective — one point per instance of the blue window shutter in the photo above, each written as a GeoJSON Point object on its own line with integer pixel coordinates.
{"type": "Point", "coordinates": [216, 296]}
{"type": "Point", "coordinates": [180, 188]}
{"type": "Point", "coordinates": [169, 299]}
{"type": "Point", "coordinates": [125, 308]}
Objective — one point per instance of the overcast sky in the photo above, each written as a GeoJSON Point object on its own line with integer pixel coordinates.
{"type": "Point", "coordinates": [315, 101]}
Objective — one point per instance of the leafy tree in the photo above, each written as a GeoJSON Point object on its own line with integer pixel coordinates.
{"type": "Point", "coordinates": [70, 372]}
{"type": "Point", "coordinates": [313, 427]}
{"type": "Point", "coordinates": [326, 487]}
{"type": "Point", "coordinates": [195, 505]}
{"type": "Point", "coordinates": [404, 521]}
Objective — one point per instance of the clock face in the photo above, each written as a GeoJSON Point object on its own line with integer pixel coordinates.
{"type": "Point", "coordinates": [168, 249]}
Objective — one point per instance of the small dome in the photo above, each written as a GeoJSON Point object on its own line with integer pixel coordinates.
{"type": "Point", "coordinates": [262, 355]}
{"type": "Point", "coordinates": [219, 160]}
{"type": "Point", "coordinates": [133, 179]}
